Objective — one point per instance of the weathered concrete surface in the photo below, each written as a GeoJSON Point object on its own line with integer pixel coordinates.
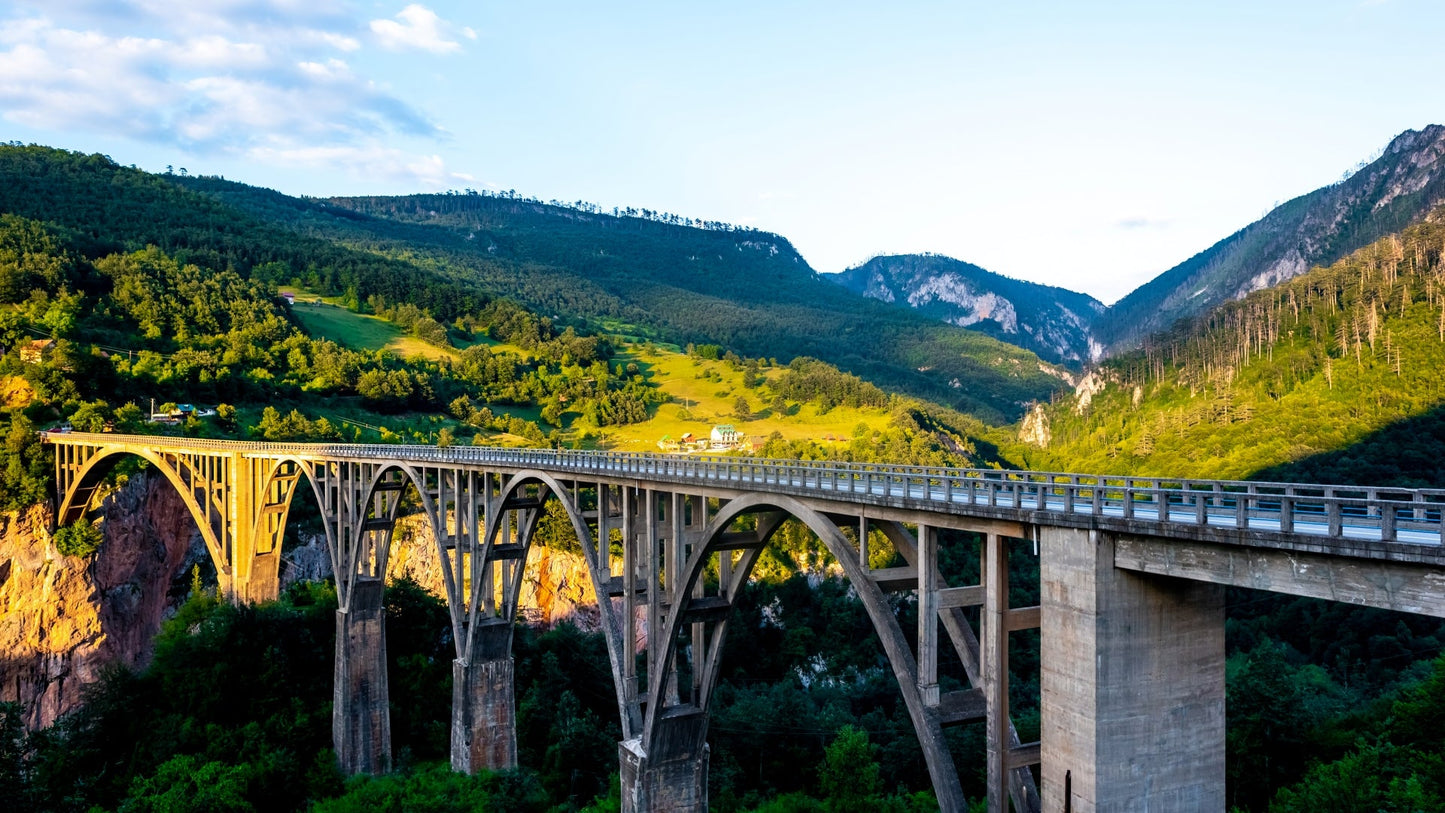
{"type": "Point", "coordinates": [484, 731]}
{"type": "Point", "coordinates": [360, 717]}
{"type": "Point", "coordinates": [1132, 683]}
{"type": "Point", "coordinates": [675, 783]}
{"type": "Point", "coordinates": [1410, 588]}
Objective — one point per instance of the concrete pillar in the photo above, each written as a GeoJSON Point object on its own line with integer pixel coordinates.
{"type": "Point", "coordinates": [670, 774]}
{"type": "Point", "coordinates": [484, 718]}
{"type": "Point", "coordinates": [264, 583]}
{"type": "Point", "coordinates": [668, 783]}
{"type": "Point", "coordinates": [1132, 683]}
{"type": "Point", "coordinates": [360, 717]}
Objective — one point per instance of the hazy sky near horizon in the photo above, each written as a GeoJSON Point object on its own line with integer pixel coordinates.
{"type": "Point", "coordinates": [1090, 145]}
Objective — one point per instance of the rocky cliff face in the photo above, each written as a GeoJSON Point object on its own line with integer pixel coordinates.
{"type": "Point", "coordinates": [1052, 322]}
{"type": "Point", "coordinates": [63, 619]}
{"type": "Point", "coordinates": [555, 584]}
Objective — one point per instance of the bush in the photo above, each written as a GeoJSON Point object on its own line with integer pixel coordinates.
{"type": "Point", "coordinates": [80, 539]}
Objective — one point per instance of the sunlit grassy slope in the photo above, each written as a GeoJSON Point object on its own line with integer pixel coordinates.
{"type": "Point", "coordinates": [701, 392]}
{"type": "Point", "coordinates": [359, 331]}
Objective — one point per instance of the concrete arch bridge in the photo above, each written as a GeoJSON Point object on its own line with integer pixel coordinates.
{"type": "Point", "coordinates": [1131, 618]}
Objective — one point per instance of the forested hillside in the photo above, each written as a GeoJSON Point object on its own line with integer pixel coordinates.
{"type": "Point", "coordinates": [1335, 376]}
{"type": "Point", "coordinates": [668, 278]}
{"type": "Point", "coordinates": [1395, 190]}
{"type": "Point", "coordinates": [130, 297]}
{"type": "Point", "coordinates": [1348, 357]}
{"type": "Point", "coordinates": [1053, 322]}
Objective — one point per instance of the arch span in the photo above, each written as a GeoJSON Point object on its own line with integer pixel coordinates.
{"type": "Point", "coordinates": [594, 552]}
{"type": "Point", "coordinates": [189, 482]}
{"type": "Point", "coordinates": [718, 540]}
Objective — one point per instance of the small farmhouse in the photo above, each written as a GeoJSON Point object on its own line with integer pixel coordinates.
{"type": "Point", "coordinates": [724, 436]}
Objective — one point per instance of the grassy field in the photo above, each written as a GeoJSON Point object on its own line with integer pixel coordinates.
{"type": "Point", "coordinates": [701, 393]}
{"type": "Point", "coordinates": [361, 331]}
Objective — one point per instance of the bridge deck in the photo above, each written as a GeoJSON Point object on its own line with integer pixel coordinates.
{"type": "Point", "coordinates": [1370, 522]}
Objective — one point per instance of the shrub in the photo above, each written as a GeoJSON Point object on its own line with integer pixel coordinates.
{"type": "Point", "coordinates": [81, 539]}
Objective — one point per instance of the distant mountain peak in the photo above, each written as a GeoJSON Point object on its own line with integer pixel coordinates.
{"type": "Point", "coordinates": [1053, 322]}
{"type": "Point", "coordinates": [1398, 188]}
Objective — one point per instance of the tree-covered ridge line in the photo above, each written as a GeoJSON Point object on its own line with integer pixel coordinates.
{"type": "Point", "coordinates": [140, 327]}
{"type": "Point", "coordinates": [748, 291]}
{"type": "Point", "coordinates": [105, 208]}
{"type": "Point", "coordinates": [1327, 360]}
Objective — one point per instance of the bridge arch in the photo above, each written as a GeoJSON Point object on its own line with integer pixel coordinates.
{"type": "Point", "coordinates": [275, 480]}
{"type": "Point", "coordinates": [718, 540]}
{"type": "Point", "coordinates": [363, 549]}
{"type": "Point", "coordinates": [178, 470]}
{"type": "Point", "coordinates": [594, 551]}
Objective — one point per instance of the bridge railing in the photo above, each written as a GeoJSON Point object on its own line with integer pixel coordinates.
{"type": "Point", "coordinates": [1292, 508]}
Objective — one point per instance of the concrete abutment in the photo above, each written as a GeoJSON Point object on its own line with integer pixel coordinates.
{"type": "Point", "coordinates": [1132, 683]}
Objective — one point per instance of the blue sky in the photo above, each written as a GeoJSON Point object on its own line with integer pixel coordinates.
{"type": "Point", "coordinates": [1084, 144]}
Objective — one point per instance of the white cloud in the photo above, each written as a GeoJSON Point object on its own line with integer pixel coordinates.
{"type": "Point", "coordinates": [373, 162]}
{"type": "Point", "coordinates": [419, 27]}
{"type": "Point", "coordinates": [260, 78]}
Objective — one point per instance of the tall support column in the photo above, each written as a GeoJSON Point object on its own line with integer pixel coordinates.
{"type": "Point", "coordinates": [484, 716]}
{"type": "Point", "coordinates": [360, 718]}
{"type": "Point", "coordinates": [927, 615]}
{"type": "Point", "coordinates": [670, 779]}
{"type": "Point", "coordinates": [1132, 683]}
{"type": "Point", "coordinates": [994, 668]}
{"type": "Point", "coordinates": [664, 766]}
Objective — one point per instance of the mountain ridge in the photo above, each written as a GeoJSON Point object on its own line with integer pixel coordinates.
{"type": "Point", "coordinates": [1049, 320]}
{"type": "Point", "coordinates": [1317, 228]}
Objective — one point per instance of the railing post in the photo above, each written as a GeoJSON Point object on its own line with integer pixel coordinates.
{"type": "Point", "coordinates": [1387, 522]}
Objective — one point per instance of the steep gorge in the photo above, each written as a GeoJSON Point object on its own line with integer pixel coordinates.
{"type": "Point", "coordinates": [63, 619]}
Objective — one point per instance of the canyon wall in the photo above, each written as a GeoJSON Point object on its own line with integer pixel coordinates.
{"type": "Point", "coordinates": [64, 619]}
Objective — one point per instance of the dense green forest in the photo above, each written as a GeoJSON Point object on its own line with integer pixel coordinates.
{"type": "Point", "coordinates": [1340, 364]}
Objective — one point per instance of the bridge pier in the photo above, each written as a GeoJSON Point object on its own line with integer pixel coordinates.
{"type": "Point", "coordinates": [484, 706]}
{"type": "Point", "coordinates": [360, 717]}
{"type": "Point", "coordinates": [1132, 683]}
{"type": "Point", "coordinates": [673, 777]}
